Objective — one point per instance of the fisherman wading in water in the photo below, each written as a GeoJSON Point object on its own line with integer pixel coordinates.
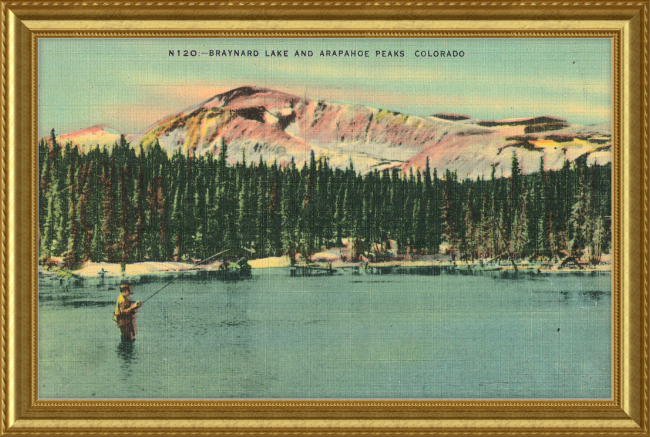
{"type": "Point", "coordinates": [125, 311]}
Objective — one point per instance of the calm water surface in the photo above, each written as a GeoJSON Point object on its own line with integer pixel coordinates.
{"type": "Point", "coordinates": [392, 336]}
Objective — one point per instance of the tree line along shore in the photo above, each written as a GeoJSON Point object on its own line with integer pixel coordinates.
{"type": "Point", "coordinates": [122, 205]}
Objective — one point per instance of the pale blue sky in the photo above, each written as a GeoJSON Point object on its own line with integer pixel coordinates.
{"type": "Point", "coordinates": [132, 83]}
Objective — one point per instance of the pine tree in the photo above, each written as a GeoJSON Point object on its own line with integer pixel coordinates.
{"type": "Point", "coordinates": [153, 218]}
{"type": "Point", "coordinates": [435, 213]}
{"type": "Point", "coordinates": [95, 212]}
{"type": "Point", "coordinates": [139, 210]}
{"type": "Point", "coordinates": [536, 212]}
{"type": "Point", "coordinates": [597, 241]}
{"type": "Point", "coordinates": [349, 218]}
{"type": "Point", "coordinates": [230, 195]}
{"type": "Point", "coordinates": [43, 190]}
{"type": "Point", "coordinates": [579, 220]}
{"type": "Point", "coordinates": [514, 199]}
{"type": "Point", "coordinates": [164, 232]}
{"type": "Point", "coordinates": [187, 206]}
{"type": "Point", "coordinates": [485, 238]}
{"type": "Point", "coordinates": [262, 222]}
{"type": "Point", "coordinates": [96, 246]}
{"type": "Point", "coordinates": [548, 218]}
{"type": "Point", "coordinates": [339, 213]}
{"type": "Point", "coordinates": [125, 239]}
{"type": "Point", "coordinates": [74, 252]}
{"type": "Point", "coordinates": [450, 233]}
{"type": "Point", "coordinates": [563, 201]}
{"type": "Point", "coordinates": [48, 237]}
{"type": "Point", "coordinates": [600, 211]}
{"type": "Point", "coordinates": [85, 193]}
{"type": "Point", "coordinates": [326, 204]}
{"type": "Point", "coordinates": [307, 216]}
{"type": "Point", "coordinates": [72, 256]}
{"type": "Point", "coordinates": [201, 194]}
{"type": "Point", "coordinates": [245, 218]}
{"type": "Point", "coordinates": [415, 233]}
{"type": "Point", "coordinates": [420, 215]}
{"type": "Point", "coordinates": [48, 155]}
{"type": "Point", "coordinates": [469, 245]}
{"type": "Point", "coordinates": [407, 213]}
{"type": "Point", "coordinates": [67, 172]}
{"type": "Point", "coordinates": [109, 227]}
{"type": "Point", "coordinates": [290, 212]}
{"type": "Point", "coordinates": [219, 210]}
{"type": "Point", "coordinates": [210, 239]}
{"type": "Point", "coordinates": [275, 211]}
{"type": "Point", "coordinates": [177, 220]}
{"type": "Point", "coordinates": [429, 210]}
{"type": "Point", "coordinates": [519, 229]}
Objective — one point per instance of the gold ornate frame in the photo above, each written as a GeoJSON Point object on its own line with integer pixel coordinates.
{"type": "Point", "coordinates": [23, 22]}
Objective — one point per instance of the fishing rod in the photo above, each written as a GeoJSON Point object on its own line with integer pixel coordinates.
{"type": "Point", "coordinates": [182, 273]}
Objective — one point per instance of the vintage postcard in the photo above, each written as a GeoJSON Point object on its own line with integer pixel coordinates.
{"type": "Point", "coordinates": [325, 218]}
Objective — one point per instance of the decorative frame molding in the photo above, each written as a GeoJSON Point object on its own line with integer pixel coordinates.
{"type": "Point", "coordinates": [23, 22]}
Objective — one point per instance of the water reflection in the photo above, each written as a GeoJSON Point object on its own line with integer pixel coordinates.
{"type": "Point", "coordinates": [583, 298]}
{"type": "Point", "coordinates": [126, 351]}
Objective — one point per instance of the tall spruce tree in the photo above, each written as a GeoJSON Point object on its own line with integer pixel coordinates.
{"type": "Point", "coordinates": [125, 239]}
{"type": "Point", "coordinates": [290, 211]}
{"type": "Point", "coordinates": [139, 197]}
{"type": "Point", "coordinates": [245, 217]}
{"type": "Point", "coordinates": [580, 211]}
{"type": "Point", "coordinates": [109, 226]}
{"type": "Point", "coordinates": [262, 222]}
{"type": "Point", "coordinates": [48, 237]}
{"type": "Point", "coordinates": [450, 197]}
{"type": "Point", "coordinates": [72, 256]}
{"type": "Point", "coordinates": [85, 194]}
{"type": "Point", "coordinates": [275, 211]}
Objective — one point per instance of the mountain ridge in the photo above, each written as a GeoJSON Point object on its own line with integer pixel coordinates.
{"type": "Point", "coordinates": [273, 125]}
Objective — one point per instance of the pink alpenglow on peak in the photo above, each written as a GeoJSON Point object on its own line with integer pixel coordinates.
{"type": "Point", "coordinates": [262, 123]}
{"type": "Point", "coordinates": [101, 135]}
{"type": "Point", "coordinates": [99, 130]}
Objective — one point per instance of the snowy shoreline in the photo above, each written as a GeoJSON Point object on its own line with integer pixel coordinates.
{"type": "Point", "coordinates": [111, 273]}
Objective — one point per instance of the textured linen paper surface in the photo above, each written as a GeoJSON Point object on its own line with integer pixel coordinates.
{"type": "Point", "coordinates": [325, 218]}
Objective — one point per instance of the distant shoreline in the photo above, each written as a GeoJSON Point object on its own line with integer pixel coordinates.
{"type": "Point", "coordinates": [111, 273]}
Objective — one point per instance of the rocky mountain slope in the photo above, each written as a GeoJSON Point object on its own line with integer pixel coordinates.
{"type": "Point", "coordinates": [278, 126]}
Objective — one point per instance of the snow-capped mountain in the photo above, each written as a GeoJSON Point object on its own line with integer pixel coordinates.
{"type": "Point", "coordinates": [278, 126]}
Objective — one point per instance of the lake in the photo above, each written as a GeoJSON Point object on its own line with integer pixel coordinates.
{"type": "Point", "coordinates": [350, 336]}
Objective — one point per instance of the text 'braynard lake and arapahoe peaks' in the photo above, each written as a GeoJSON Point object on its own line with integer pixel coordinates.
{"type": "Point", "coordinates": [335, 53]}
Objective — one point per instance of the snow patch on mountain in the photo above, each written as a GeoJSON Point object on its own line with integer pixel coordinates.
{"type": "Point", "coordinates": [262, 123]}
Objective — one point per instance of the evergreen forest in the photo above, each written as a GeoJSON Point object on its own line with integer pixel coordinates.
{"type": "Point", "coordinates": [122, 205]}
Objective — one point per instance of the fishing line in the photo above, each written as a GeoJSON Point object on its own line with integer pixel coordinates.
{"type": "Point", "coordinates": [182, 273]}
